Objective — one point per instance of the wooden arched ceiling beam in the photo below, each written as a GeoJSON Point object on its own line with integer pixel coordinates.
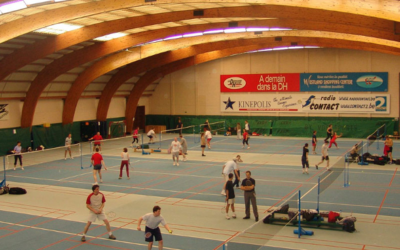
{"type": "Point", "coordinates": [387, 10]}
{"type": "Point", "coordinates": [90, 53]}
{"type": "Point", "coordinates": [118, 60]}
{"type": "Point", "coordinates": [32, 52]}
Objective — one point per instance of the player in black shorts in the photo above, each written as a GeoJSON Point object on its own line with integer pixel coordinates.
{"type": "Point", "coordinates": [329, 133]}
{"type": "Point", "coordinates": [304, 159]}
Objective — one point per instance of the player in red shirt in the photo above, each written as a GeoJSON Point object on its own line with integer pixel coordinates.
{"type": "Point", "coordinates": [135, 136]}
{"type": "Point", "coordinates": [97, 141]}
{"type": "Point", "coordinates": [246, 138]}
{"type": "Point", "coordinates": [97, 163]}
{"type": "Point", "coordinates": [95, 203]}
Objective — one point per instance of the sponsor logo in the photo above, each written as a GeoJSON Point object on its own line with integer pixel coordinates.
{"type": "Point", "coordinates": [229, 104]}
{"type": "Point", "coordinates": [309, 101]}
{"type": "Point", "coordinates": [369, 81]}
{"type": "Point", "coordinates": [381, 103]}
{"type": "Point", "coordinates": [234, 83]}
{"type": "Point", "coordinates": [312, 103]}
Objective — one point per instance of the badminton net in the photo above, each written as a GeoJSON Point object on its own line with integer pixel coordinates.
{"type": "Point", "coordinates": [38, 157]}
{"type": "Point", "coordinates": [378, 134]}
{"type": "Point", "coordinates": [260, 235]}
{"type": "Point", "coordinates": [216, 128]}
{"type": "Point", "coordinates": [166, 136]}
{"type": "Point", "coordinates": [112, 146]}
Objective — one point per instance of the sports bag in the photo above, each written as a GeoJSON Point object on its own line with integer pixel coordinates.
{"type": "Point", "coordinates": [17, 190]}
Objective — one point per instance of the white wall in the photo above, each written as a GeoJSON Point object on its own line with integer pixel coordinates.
{"type": "Point", "coordinates": [196, 90]}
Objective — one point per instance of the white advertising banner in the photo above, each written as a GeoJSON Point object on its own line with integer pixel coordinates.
{"type": "Point", "coordinates": [309, 103]}
{"type": "Point", "coordinates": [4, 112]}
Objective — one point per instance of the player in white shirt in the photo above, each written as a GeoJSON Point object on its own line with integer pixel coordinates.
{"type": "Point", "coordinates": [68, 142]}
{"type": "Point", "coordinates": [230, 167]}
{"type": "Point", "coordinates": [151, 134]}
{"type": "Point", "coordinates": [208, 137]}
{"type": "Point", "coordinates": [175, 149]}
{"type": "Point", "coordinates": [325, 156]}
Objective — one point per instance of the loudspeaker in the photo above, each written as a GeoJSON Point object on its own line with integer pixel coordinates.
{"type": "Point", "coordinates": [233, 24]}
{"type": "Point", "coordinates": [278, 38]}
{"type": "Point", "coordinates": [293, 44]}
{"type": "Point", "coordinates": [198, 13]}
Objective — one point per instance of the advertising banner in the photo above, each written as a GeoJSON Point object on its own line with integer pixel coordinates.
{"type": "Point", "coordinates": [342, 82]}
{"type": "Point", "coordinates": [289, 82]}
{"type": "Point", "coordinates": [3, 112]}
{"type": "Point", "coordinates": [308, 103]}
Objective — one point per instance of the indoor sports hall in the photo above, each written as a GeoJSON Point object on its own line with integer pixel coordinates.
{"type": "Point", "coordinates": [305, 92]}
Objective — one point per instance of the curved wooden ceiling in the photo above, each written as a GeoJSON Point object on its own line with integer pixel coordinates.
{"type": "Point", "coordinates": [72, 65]}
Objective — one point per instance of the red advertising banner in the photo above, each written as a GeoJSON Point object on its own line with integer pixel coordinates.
{"type": "Point", "coordinates": [288, 82]}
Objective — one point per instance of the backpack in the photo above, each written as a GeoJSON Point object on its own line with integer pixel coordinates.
{"type": "Point", "coordinates": [307, 215]}
{"type": "Point", "coordinates": [267, 218]}
{"type": "Point", "coordinates": [332, 217]}
{"type": "Point", "coordinates": [348, 226]}
{"type": "Point", "coordinates": [17, 190]}
{"type": "Point", "coordinates": [283, 210]}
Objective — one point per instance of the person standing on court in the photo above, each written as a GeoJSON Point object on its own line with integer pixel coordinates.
{"type": "Point", "coordinates": [17, 155]}
{"type": "Point", "coordinates": [184, 147]}
{"type": "Point", "coordinates": [175, 148]}
{"type": "Point", "coordinates": [230, 167]}
{"type": "Point", "coordinates": [238, 131]}
{"type": "Point", "coordinates": [97, 163]}
{"type": "Point", "coordinates": [179, 126]}
{"type": "Point", "coordinates": [135, 136]}
{"type": "Point", "coordinates": [207, 125]}
{"type": "Point", "coordinates": [314, 142]}
{"type": "Point", "coordinates": [124, 162]}
{"type": "Point", "coordinates": [209, 137]}
{"type": "Point", "coordinates": [202, 143]}
{"type": "Point", "coordinates": [68, 142]}
{"type": "Point", "coordinates": [325, 156]}
{"type": "Point", "coordinates": [97, 141]}
{"type": "Point", "coordinates": [230, 197]}
{"type": "Point", "coordinates": [247, 126]}
{"type": "Point", "coordinates": [389, 148]}
{"type": "Point", "coordinates": [95, 203]}
{"type": "Point", "coordinates": [304, 159]}
{"type": "Point", "coordinates": [152, 230]}
{"type": "Point", "coordinates": [245, 138]}
{"type": "Point", "coordinates": [329, 132]}
{"type": "Point", "coordinates": [151, 134]}
{"type": "Point", "coordinates": [248, 186]}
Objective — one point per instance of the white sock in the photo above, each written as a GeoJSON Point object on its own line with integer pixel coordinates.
{"type": "Point", "coordinates": [110, 233]}
{"type": "Point", "coordinates": [83, 234]}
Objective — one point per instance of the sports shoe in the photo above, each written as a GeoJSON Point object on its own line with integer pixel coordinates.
{"type": "Point", "coordinates": [227, 217]}
{"type": "Point", "coordinates": [203, 155]}
{"type": "Point", "coordinates": [209, 147]}
{"type": "Point", "coordinates": [248, 147]}
{"type": "Point", "coordinates": [22, 168]}
{"type": "Point", "coordinates": [95, 183]}
{"type": "Point", "coordinates": [15, 168]}
{"type": "Point", "coordinates": [316, 166]}
{"type": "Point", "coordinates": [128, 178]}
{"type": "Point", "coordinates": [174, 164]}
{"type": "Point", "coordinates": [72, 157]}
{"type": "Point", "coordinates": [177, 164]}
{"type": "Point", "coordinates": [101, 181]}
{"type": "Point", "coordinates": [65, 158]}
{"type": "Point", "coordinates": [83, 239]}
{"type": "Point", "coordinates": [304, 172]}
{"type": "Point", "coordinates": [256, 219]}
{"type": "Point", "coordinates": [246, 218]}
{"type": "Point", "coordinates": [184, 159]}
{"type": "Point", "coordinates": [112, 237]}
{"type": "Point", "coordinates": [120, 177]}
{"type": "Point", "coordinates": [329, 169]}
{"type": "Point", "coordinates": [234, 216]}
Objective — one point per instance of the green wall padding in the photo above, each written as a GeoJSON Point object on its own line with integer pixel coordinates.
{"type": "Point", "coordinates": [9, 139]}
{"type": "Point", "coordinates": [287, 126]}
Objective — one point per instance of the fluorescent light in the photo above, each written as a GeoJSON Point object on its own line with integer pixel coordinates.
{"type": "Point", "coordinates": [60, 1]}
{"type": "Point", "coordinates": [278, 29]}
{"type": "Point", "coordinates": [311, 47]}
{"type": "Point", "coordinates": [32, 2]}
{"type": "Point", "coordinates": [59, 28]}
{"type": "Point", "coordinates": [280, 48]}
{"type": "Point", "coordinates": [235, 30]}
{"type": "Point", "coordinates": [10, 7]}
{"type": "Point", "coordinates": [261, 50]}
{"type": "Point", "coordinates": [193, 34]}
{"type": "Point", "coordinates": [256, 29]}
{"type": "Point", "coordinates": [213, 31]}
{"type": "Point", "coordinates": [155, 41]}
{"type": "Point", "coordinates": [296, 47]}
{"type": "Point", "coordinates": [110, 36]}
{"type": "Point", "coordinates": [172, 37]}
